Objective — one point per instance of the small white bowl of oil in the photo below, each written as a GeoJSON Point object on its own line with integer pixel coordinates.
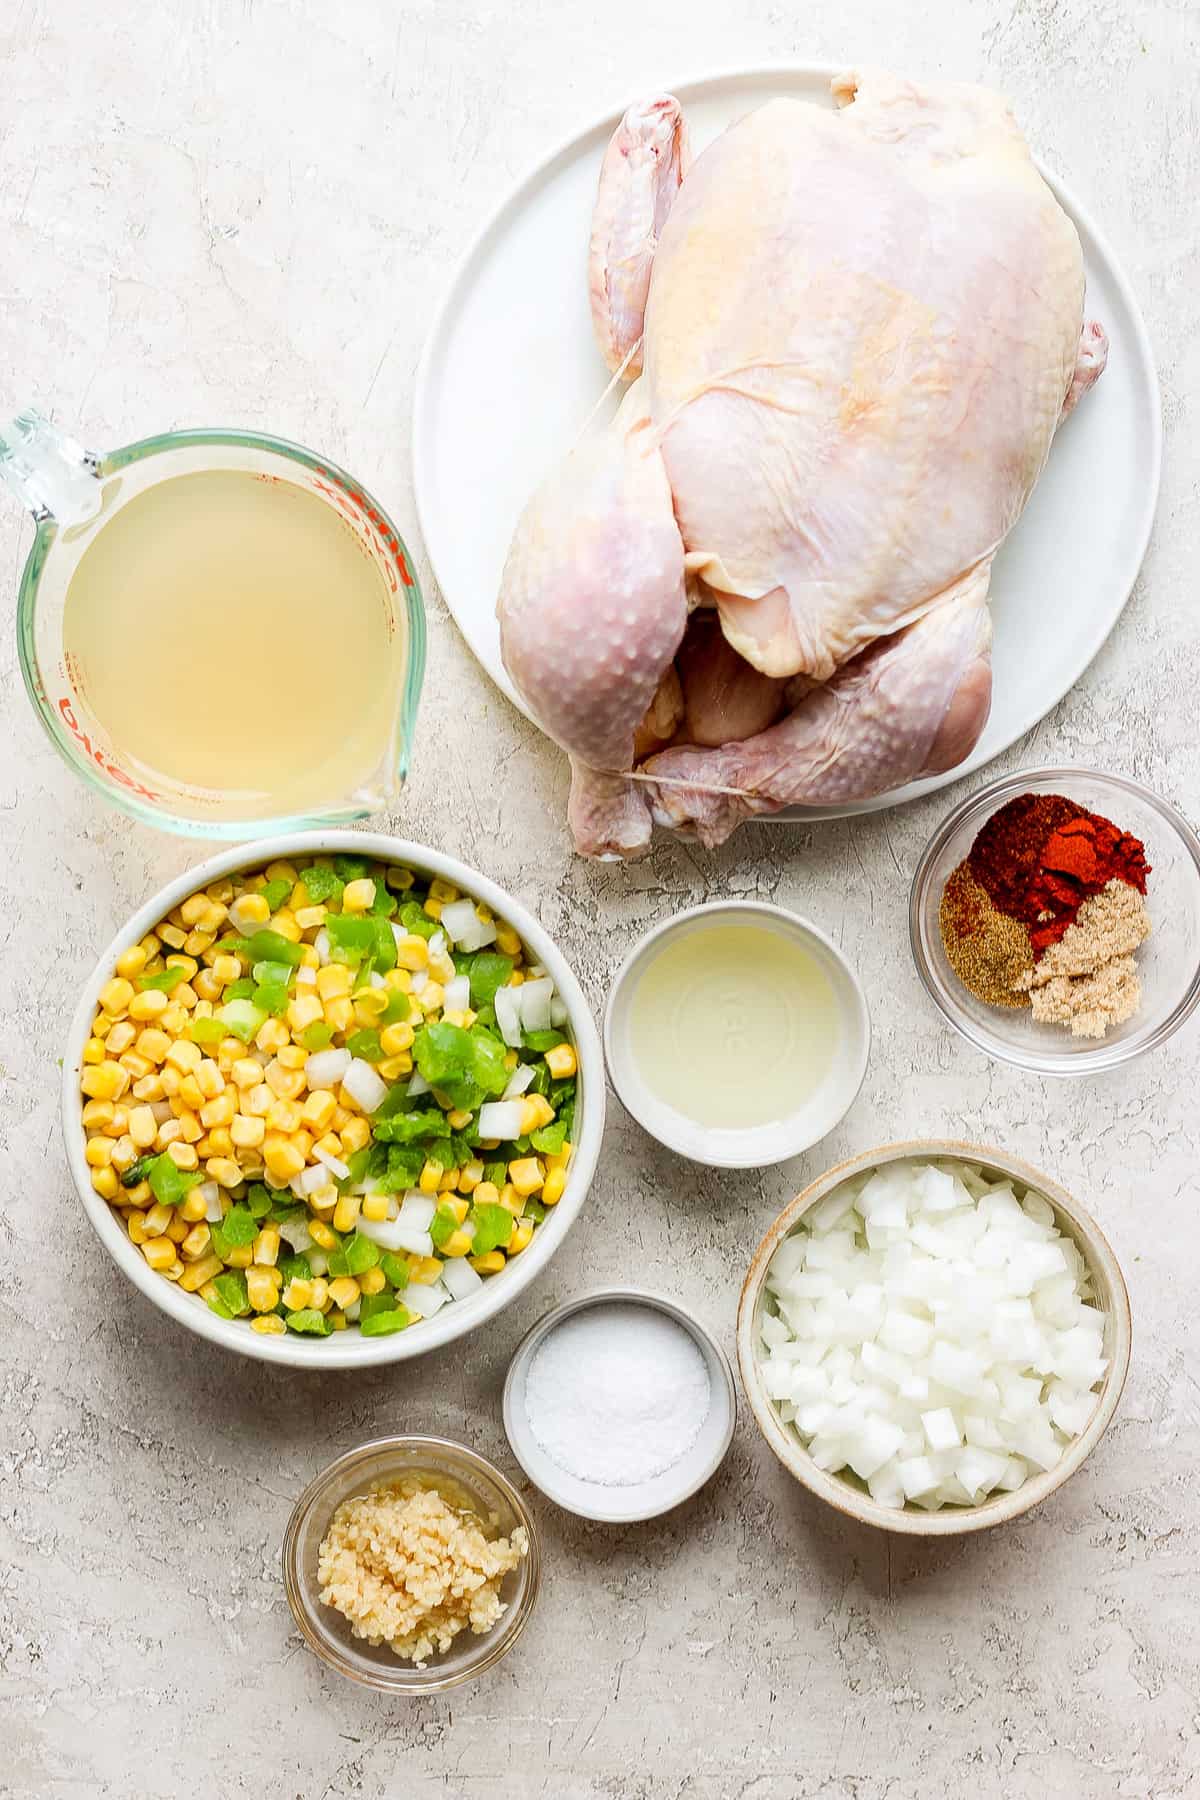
{"type": "Point", "coordinates": [737, 1034]}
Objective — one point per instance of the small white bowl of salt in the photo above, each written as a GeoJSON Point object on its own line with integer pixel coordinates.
{"type": "Point", "coordinates": [619, 1405]}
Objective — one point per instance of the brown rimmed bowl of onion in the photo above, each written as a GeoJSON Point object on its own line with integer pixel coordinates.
{"type": "Point", "coordinates": [933, 1337]}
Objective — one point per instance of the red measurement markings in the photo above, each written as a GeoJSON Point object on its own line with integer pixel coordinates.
{"type": "Point", "coordinates": [100, 757]}
{"type": "Point", "coordinates": [379, 525]}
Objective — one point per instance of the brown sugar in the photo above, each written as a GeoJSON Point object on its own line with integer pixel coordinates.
{"type": "Point", "coordinates": [1088, 981]}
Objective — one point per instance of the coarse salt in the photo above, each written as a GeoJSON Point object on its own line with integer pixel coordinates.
{"type": "Point", "coordinates": [617, 1394]}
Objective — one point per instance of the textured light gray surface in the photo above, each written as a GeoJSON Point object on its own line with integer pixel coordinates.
{"type": "Point", "coordinates": [238, 211]}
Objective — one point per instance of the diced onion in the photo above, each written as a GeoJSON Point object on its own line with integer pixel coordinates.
{"type": "Point", "coordinates": [390, 1234]}
{"type": "Point", "coordinates": [418, 1085]}
{"type": "Point", "coordinates": [210, 1193]}
{"type": "Point", "coordinates": [336, 1167]}
{"type": "Point", "coordinates": [294, 1231]}
{"type": "Point", "coordinates": [458, 994]}
{"type": "Point", "coordinates": [306, 977]}
{"type": "Point", "coordinates": [535, 998]}
{"type": "Point", "coordinates": [425, 1300]}
{"type": "Point", "coordinates": [459, 1278]}
{"type": "Point", "coordinates": [416, 1211]}
{"type": "Point", "coordinates": [508, 1016]}
{"type": "Point", "coordinates": [325, 1068]}
{"type": "Point", "coordinates": [322, 946]}
{"type": "Point", "coordinates": [932, 1333]}
{"type": "Point", "coordinates": [501, 1119]}
{"type": "Point", "coordinates": [366, 1088]}
{"type": "Point", "coordinates": [519, 1081]}
{"type": "Point", "coordinates": [558, 1013]}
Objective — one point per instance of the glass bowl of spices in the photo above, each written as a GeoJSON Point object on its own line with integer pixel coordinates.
{"type": "Point", "coordinates": [1055, 920]}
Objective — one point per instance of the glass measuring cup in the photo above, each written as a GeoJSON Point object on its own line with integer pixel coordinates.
{"type": "Point", "coordinates": [74, 495]}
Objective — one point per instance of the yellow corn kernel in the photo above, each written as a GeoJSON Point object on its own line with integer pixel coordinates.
{"type": "Point", "coordinates": [118, 1125]}
{"type": "Point", "coordinates": [173, 1019]}
{"type": "Point", "coordinates": [225, 1172]}
{"type": "Point", "coordinates": [526, 1174]}
{"type": "Point", "coordinates": [392, 1067]}
{"type": "Point", "coordinates": [98, 1152]}
{"type": "Point", "coordinates": [486, 1194]}
{"type": "Point", "coordinates": [281, 1156]}
{"type": "Point", "coordinates": [190, 1128]}
{"type": "Point", "coordinates": [376, 1207]}
{"type": "Point", "coordinates": [489, 1264]}
{"type": "Point", "coordinates": [131, 962]}
{"type": "Point", "coordinates": [115, 996]}
{"type": "Point", "coordinates": [552, 1187]}
{"type": "Point", "coordinates": [135, 1224]}
{"type": "Point", "coordinates": [119, 1039]}
{"type": "Point", "coordinates": [246, 1072]}
{"type": "Point", "coordinates": [102, 1025]}
{"type": "Point", "coordinates": [258, 1101]}
{"type": "Point", "coordinates": [511, 1201]}
{"type": "Point", "coordinates": [433, 907]}
{"type": "Point", "coordinates": [194, 1207]}
{"type": "Point", "coordinates": [320, 1293]}
{"type": "Point", "coordinates": [457, 1207]}
{"type": "Point", "coordinates": [153, 1044]}
{"type": "Point", "coordinates": [323, 1201]}
{"type": "Point", "coordinates": [148, 1089]}
{"type": "Point", "coordinates": [209, 1079]}
{"type": "Point", "coordinates": [345, 1215]}
{"type": "Point", "coordinates": [469, 1177]}
{"type": "Point", "coordinates": [124, 1154]}
{"type": "Point", "coordinates": [185, 1056]}
{"type": "Point", "coordinates": [200, 1274]}
{"type": "Point", "coordinates": [139, 1195]}
{"type": "Point", "coordinates": [220, 1111]}
{"type": "Point", "coordinates": [297, 1294]}
{"type": "Point", "coordinates": [266, 1247]}
{"type": "Point", "coordinates": [355, 1133]}
{"type": "Point", "coordinates": [190, 1096]}
{"type": "Point", "coordinates": [310, 918]}
{"type": "Point", "coordinates": [507, 941]}
{"type": "Point", "coordinates": [449, 1182]}
{"type": "Point", "coordinates": [395, 1039]}
{"type": "Point", "coordinates": [344, 1291]}
{"type": "Point", "coordinates": [452, 1016]}
{"type": "Point", "coordinates": [319, 1109]}
{"type": "Point", "coordinates": [457, 1119]}
{"type": "Point", "coordinates": [196, 943]}
{"type": "Point", "coordinates": [285, 1084]}
{"type": "Point", "coordinates": [424, 1269]}
{"type": "Point", "coordinates": [226, 969]}
{"type": "Point", "coordinates": [560, 1159]}
{"type": "Point", "coordinates": [150, 1005]}
{"type": "Point", "coordinates": [442, 890]}
{"type": "Point", "coordinates": [358, 896]}
{"type": "Point", "coordinates": [536, 1111]}
{"type": "Point", "coordinates": [521, 1238]}
{"type": "Point", "coordinates": [196, 1242]}
{"type": "Point", "coordinates": [412, 952]}
{"type": "Point", "coordinates": [177, 1230]}
{"type": "Point", "coordinates": [433, 998]}
{"type": "Point", "coordinates": [339, 1013]}
{"type": "Point", "coordinates": [399, 879]}
{"type": "Point", "coordinates": [457, 1244]}
{"type": "Point", "coordinates": [510, 1060]}
{"type": "Point", "coordinates": [105, 1081]}
{"type": "Point", "coordinates": [372, 1281]}
{"type": "Point", "coordinates": [246, 1131]}
{"type": "Point", "coordinates": [291, 1056]}
{"type": "Point", "coordinates": [333, 980]}
{"type": "Point", "coordinates": [135, 1066]}
{"type": "Point", "coordinates": [370, 1006]}
{"type": "Point", "coordinates": [240, 1257]}
{"type": "Point", "coordinates": [207, 986]}
{"type": "Point", "coordinates": [284, 1116]}
{"type": "Point", "coordinates": [303, 1141]}
{"type": "Point", "coordinates": [249, 909]}
{"type": "Point", "coordinates": [158, 1217]}
{"type": "Point", "coordinates": [183, 1154]}
{"type": "Point", "coordinates": [302, 1012]}
{"type": "Point", "coordinates": [159, 1252]}
{"type": "Point", "coordinates": [98, 1113]}
{"type": "Point", "coordinates": [269, 1325]}
{"type": "Point", "coordinates": [273, 1034]}
{"type": "Point", "coordinates": [431, 1176]}
{"type": "Point", "coordinates": [562, 1061]}
{"type": "Point", "coordinates": [260, 1290]}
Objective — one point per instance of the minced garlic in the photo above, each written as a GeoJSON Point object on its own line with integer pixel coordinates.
{"type": "Point", "coordinates": [409, 1570]}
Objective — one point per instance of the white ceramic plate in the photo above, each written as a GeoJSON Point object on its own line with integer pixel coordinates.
{"type": "Point", "coordinates": [510, 372]}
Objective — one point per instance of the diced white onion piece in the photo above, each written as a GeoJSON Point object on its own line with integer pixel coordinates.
{"type": "Point", "coordinates": [437, 943]}
{"type": "Point", "coordinates": [420, 981]}
{"type": "Point", "coordinates": [535, 998]}
{"type": "Point", "coordinates": [325, 1068]}
{"type": "Point", "coordinates": [425, 1300]}
{"type": "Point", "coordinates": [459, 920]}
{"type": "Point", "coordinates": [309, 1180]}
{"type": "Point", "coordinates": [321, 946]}
{"type": "Point", "coordinates": [337, 1168]}
{"type": "Point", "coordinates": [418, 1085]}
{"type": "Point", "coordinates": [458, 994]}
{"type": "Point", "coordinates": [352, 1311]}
{"type": "Point", "coordinates": [417, 1210]}
{"type": "Point", "coordinates": [390, 1234]}
{"type": "Point", "coordinates": [318, 1261]}
{"type": "Point", "coordinates": [377, 980]}
{"type": "Point", "coordinates": [519, 1081]}
{"type": "Point", "coordinates": [366, 1088]}
{"type": "Point", "coordinates": [501, 1119]}
{"type": "Point", "coordinates": [558, 1013]}
{"type": "Point", "coordinates": [460, 1278]}
{"type": "Point", "coordinates": [508, 1016]}
{"type": "Point", "coordinates": [306, 977]}
{"type": "Point", "coordinates": [294, 1231]}
{"type": "Point", "coordinates": [210, 1193]}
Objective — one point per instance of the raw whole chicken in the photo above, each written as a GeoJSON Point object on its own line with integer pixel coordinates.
{"type": "Point", "coordinates": [851, 335]}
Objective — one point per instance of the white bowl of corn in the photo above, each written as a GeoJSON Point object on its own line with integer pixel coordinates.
{"type": "Point", "coordinates": [332, 1099]}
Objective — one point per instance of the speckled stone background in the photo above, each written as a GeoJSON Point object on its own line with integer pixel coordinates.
{"type": "Point", "coordinates": [243, 211]}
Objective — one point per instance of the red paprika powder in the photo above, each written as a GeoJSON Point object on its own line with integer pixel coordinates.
{"type": "Point", "coordinates": [1041, 856]}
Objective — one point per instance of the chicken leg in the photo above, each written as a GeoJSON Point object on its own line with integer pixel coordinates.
{"type": "Point", "coordinates": [912, 705]}
{"type": "Point", "coordinates": [592, 607]}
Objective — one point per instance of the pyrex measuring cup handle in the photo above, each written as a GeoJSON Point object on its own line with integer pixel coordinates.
{"type": "Point", "coordinates": [48, 471]}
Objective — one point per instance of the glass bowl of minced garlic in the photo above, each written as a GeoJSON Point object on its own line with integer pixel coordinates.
{"type": "Point", "coordinates": [1055, 920]}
